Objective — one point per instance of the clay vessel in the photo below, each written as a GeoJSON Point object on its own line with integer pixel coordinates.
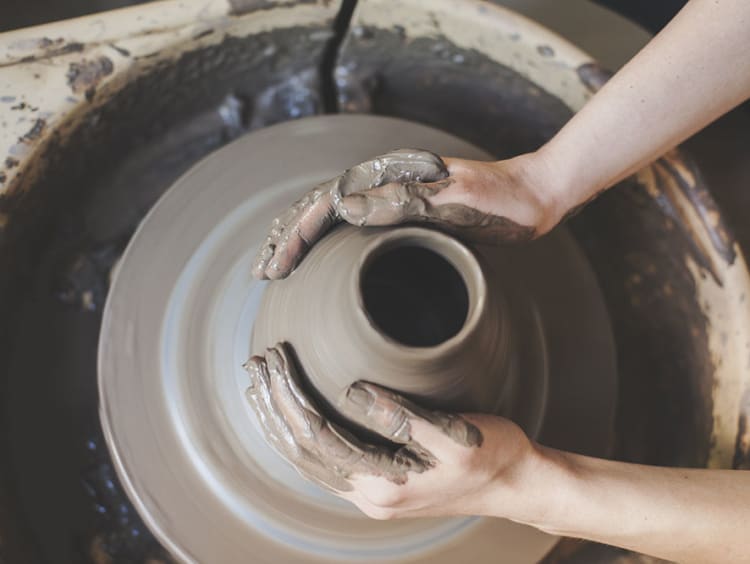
{"type": "Point", "coordinates": [408, 308]}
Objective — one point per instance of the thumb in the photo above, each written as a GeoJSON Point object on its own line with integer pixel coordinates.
{"type": "Point", "coordinates": [391, 416]}
{"type": "Point", "coordinates": [389, 204]}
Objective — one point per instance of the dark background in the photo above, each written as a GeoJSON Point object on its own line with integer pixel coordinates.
{"type": "Point", "coordinates": [23, 13]}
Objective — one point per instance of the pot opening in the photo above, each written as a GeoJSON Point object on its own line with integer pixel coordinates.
{"type": "Point", "coordinates": [414, 296]}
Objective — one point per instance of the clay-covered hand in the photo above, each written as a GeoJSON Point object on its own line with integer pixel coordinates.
{"type": "Point", "coordinates": [481, 201]}
{"type": "Point", "coordinates": [439, 463]}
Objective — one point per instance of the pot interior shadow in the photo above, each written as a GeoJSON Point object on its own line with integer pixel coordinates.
{"type": "Point", "coordinates": [414, 296]}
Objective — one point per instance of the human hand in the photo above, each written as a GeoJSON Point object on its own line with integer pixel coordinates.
{"type": "Point", "coordinates": [505, 201]}
{"type": "Point", "coordinates": [441, 463]}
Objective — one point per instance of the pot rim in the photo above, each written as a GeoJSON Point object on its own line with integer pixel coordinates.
{"type": "Point", "coordinates": [449, 248]}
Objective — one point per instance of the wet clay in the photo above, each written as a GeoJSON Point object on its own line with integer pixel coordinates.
{"type": "Point", "coordinates": [391, 414]}
{"type": "Point", "coordinates": [319, 449]}
{"type": "Point", "coordinates": [330, 455]}
{"type": "Point", "coordinates": [394, 188]}
{"type": "Point", "coordinates": [412, 201]}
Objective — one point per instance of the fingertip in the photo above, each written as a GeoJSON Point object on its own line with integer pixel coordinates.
{"type": "Point", "coordinates": [257, 372]}
{"type": "Point", "coordinates": [252, 363]}
{"type": "Point", "coordinates": [282, 265]}
{"type": "Point", "coordinates": [286, 258]}
{"type": "Point", "coordinates": [280, 349]}
{"type": "Point", "coordinates": [262, 258]}
{"type": "Point", "coordinates": [258, 271]}
{"type": "Point", "coordinates": [276, 271]}
{"type": "Point", "coordinates": [273, 357]}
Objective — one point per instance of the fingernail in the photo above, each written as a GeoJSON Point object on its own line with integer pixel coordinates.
{"type": "Point", "coordinates": [359, 398]}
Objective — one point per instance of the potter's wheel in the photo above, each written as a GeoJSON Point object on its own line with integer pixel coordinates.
{"type": "Point", "coordinates": [176, 331]}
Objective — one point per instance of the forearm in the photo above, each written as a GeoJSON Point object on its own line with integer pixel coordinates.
{"type": "Point", "coordinates": [692, 72]}
{"type": "Point", "coordinates": [683, 515]}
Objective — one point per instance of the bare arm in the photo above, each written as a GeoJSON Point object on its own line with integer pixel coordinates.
{"type": "Point", "coordinates": [683, 515]}
{"type": "Point", "coordinates": [692, 72]}
{"type": "Point", "coordinates": [696, 69]}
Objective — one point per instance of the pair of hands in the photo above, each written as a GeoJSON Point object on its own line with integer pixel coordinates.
{"type": "Point", "coordinates": [673, 513]}
{"type": "Point", "coordinates": [472, 460]}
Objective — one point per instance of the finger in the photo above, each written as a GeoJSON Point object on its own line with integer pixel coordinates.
{"type": "Point", "coordinates": [325, 445]}
{"type": "Point", "coordinates": [317, 448]}
{"type": "Point", "coordinates": [322, 444]}
{"type": "Point", "coordinates": [400, 166]}
{"type": "Point", "coordinates": [294, 232]}
{"type": "Point", "coordinates": [258, 394]}
{"type": "Point", "coordinates": [314, 218]}
{"type": "Point", "coordinates": [282, 361]}
{"type": "Point", "coordinates": [409, 165]}
{"type": "Point", "coordinates": [268, 248]}
{"type": "Point", "coordinates": [281, 436]}
{"type": "Point", "coordinates": [312, 431]}
{"type": "Point", "coordinates": [330, 439]}
{"type": "Point", "coordinates": [378, 410]}
{"type": "Point", "coordinates": [303, 418]}
{"type": "Point", "coordinates": [394, 417]}
{"type": "Point", "coordinates": [390, 204]}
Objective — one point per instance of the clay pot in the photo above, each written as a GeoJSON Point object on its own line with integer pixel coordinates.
{"type": "Point", "coordinates": [407, 308]}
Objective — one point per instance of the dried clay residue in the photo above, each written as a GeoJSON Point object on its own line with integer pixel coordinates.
{"type": "Point", "coordinates": [48, 48]}
{"type": "Point", "coordinates": [24, 106]}
{"type": "Point", "coordinates": [680, 191]}
{"type": "Point", "coordinates": [85, 76]}
{"type": "Point", "coordinates": [242, 7]}
{"type": "Point", "coordinates": [35, 132]}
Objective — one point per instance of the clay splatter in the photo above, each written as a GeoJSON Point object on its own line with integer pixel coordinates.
{"type": "Point", "coordinates": [24, 106]}
{"type": "Point", "coordinates": [124, 52]}
{"type": "Point", "coordinates": [242, 7]}
{"type": "Point", "coordinates": [545, 51]}
{"type": "Point", "coordinates": [35, 132]}
{"type": "Point", "coordinates": [85, 76]}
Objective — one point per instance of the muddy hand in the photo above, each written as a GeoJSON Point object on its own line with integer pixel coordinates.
{"type": "Point", "coordinates": [481, 201]}
{"type": "Point", "coordinates": [328, 454]}
{"type": "Point", "coordinates": [474, 458]}
{"type": "Point", "coordinates": [308, 219]}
